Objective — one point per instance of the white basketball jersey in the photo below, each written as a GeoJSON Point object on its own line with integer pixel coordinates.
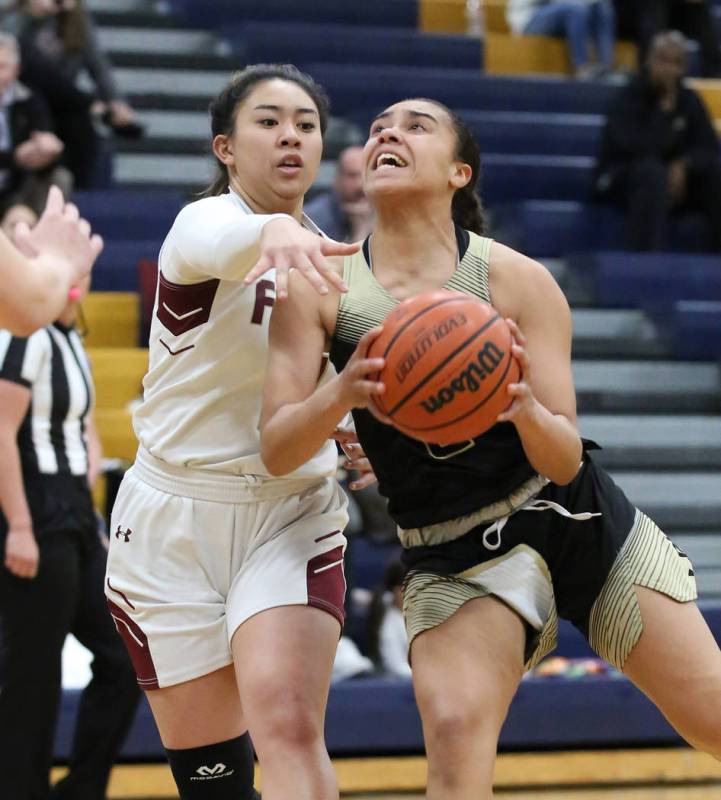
{"type": "Point", "coordinates": [209, 344]}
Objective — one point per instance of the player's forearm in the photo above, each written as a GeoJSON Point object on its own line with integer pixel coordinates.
{"type": "Point", "coordinates": [13, 501]}
{"type": "Point", "coordinates": [295, 432]}
{"type": "Point", "coordinates": [238, 247]}
{"type": "Point", "coordinates": [551, 444]}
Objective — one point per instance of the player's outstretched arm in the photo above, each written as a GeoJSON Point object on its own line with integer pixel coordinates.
{"type": "Point", "coordinates": [299, 416]}
{"type": "Point", "coordinates": [49, 259]}
{"type": "Point", "coordinates": [212, 240]}
{"type": "Point", "coordinates": [285, 245]}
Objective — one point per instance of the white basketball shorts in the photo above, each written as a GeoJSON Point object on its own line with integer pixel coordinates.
{"type": "Point", "coordinates": [193, 556]}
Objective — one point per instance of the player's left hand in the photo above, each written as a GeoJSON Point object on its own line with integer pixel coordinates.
{"type": "Point", "coordinates": [523, 401]}
{"type": "Point", "coordinates": [356, 458]}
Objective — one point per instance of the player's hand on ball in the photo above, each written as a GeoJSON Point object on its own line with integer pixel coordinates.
{"type": "Point", "coordinates": [523, 400]}
{"type": "Point", "coordinates": [285, 245]}
{"type": "Point", "coordinates": [357, 384]}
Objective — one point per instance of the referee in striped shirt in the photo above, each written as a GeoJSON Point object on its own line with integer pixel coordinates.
{"type": "Point", "coordinates": [52, 569]}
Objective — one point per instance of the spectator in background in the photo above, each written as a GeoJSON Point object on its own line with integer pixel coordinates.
{"type": "Point", "coordinates": [344, 213]}
{"type": "Point", "coordinates": [59, 43]}
{"type": "Point", "coordinates": [29, 151]}
{"type": "Point", "coordinates": [387, 637]}
{"type": "Point", "coordinates": [578, 21]}
{"type": "Point", "coordinates": [691, 17]}
{"type": "Point", "coordinates": [660, 152]}
{"type": "Point", "coordinates": [52, 569]}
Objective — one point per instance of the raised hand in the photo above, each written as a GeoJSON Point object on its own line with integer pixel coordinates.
{"type": "Point", "coordinates": [60, 236]}
{"type": "Point", "coordinates": [286, 245]}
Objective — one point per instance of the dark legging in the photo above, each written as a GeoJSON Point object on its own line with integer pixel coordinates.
{"type": "Point", "coordinates": [642, 186]}
{"type": "Point", "coordinates": [35, 617]}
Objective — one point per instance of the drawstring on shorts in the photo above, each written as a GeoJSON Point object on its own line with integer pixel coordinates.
{"type": "Point", "coordinates": [532, 505]}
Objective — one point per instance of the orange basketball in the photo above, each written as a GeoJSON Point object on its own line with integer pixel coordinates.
{"type": "Point", "coordinates": [448, 363]}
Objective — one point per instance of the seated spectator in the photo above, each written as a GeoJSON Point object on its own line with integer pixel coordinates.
{"type": "Point", "coordinates": [344, 213]}
{"type": "Point", "coordinates": [28, 150]}
{"type": "Point", "coordinates": [387, 637]}
{"type": "Point", "coordinates": [59, 43]}
{"type": "Point", "coordinates": [660, 152]}
{"type": "Point", "coordinates": [691, 17]}
{"type": "Point", "coordinates": [575, 20]}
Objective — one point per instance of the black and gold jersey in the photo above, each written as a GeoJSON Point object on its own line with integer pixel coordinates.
{"type": "Point", "coordinates": [427, 484]}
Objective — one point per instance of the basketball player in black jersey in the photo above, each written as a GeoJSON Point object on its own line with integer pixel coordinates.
{"type": "Point", "coordinates": [488, 579]}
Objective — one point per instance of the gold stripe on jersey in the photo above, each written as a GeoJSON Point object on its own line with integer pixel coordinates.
{"type": "Point", "coordinates": [649, 559]}
{"type": "Point", "coordinates": [367, 303]}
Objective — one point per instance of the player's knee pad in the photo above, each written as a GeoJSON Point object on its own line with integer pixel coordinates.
{"type": "Point", "coordinates": [222, 771]}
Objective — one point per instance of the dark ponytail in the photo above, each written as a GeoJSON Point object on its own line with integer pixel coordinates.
{"type": "Point", "coordinates": [467, 208]}
{"type": "Point", "coordinates": [223, 108]}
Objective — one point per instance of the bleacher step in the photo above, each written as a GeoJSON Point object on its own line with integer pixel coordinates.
{"type": "Point", "coordinates": [683, 501]}
{"type": "Point", "coordinates": [651, 387]}
{"type": "Point", "coordinates": [615, 333]}
{"type": "Point", "coordinates": [150, 40]}
{"type": "Point", "coordinates": [189, 132]}
{"type": "Point", "coordinates": [180, 82]}
{"type": "Point", "coordinates": [655, 442]}
{"type": "Point", "coordinates": [183, 171]}
{"type": "Point", "coordinates": [120, 6]}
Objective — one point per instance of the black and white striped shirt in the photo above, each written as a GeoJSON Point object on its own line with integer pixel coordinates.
{"type": "Point", "coordinates": [53, 365]}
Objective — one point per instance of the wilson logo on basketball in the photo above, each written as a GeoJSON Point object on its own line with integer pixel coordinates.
{"type": "Point", "coordinates": [469, 379]}
{"type": "Point", "coordinates": [448, 363]}
{"type": "Point", "coordinates": [423, 345]}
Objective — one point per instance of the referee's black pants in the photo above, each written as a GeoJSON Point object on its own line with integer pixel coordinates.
{"type": "Point", "coordinates": [35, 616]}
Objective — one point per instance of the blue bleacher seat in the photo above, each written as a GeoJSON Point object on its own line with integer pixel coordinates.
{"type": "Point", "coordinates": [552, 228]}
{"type": "Point", "coordinates": [125, 214]}
{"type": "Point", "coordinates": [301, 43]}
{"type": "Point", "coordinates": [505, 178]}
{"type": "Point", "coordinates": [654, 281]}
{"type": "Point", "coordinates": [534, 133]}
{"type": "Point", "coordinates": [358, 91]}
{"type": "Point", "coordinates": [543, 228]}
{"type": "Point", "coordinates": [219, 13]}
{"type": "Point", "coordinates": [696, 328]}
{"type": "Point", "coordinates": [117, 266]}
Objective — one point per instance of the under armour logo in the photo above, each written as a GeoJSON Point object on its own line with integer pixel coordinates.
{"type": "Point", "coordinates": [125, 534]}
{"type": "Point", "coordinates": [209, 773]}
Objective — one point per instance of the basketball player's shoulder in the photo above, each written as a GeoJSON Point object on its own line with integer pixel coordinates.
{"type": "Point", "coordinates": [508, 266]}
{"type": "Point", "coordinates": [209, 209]}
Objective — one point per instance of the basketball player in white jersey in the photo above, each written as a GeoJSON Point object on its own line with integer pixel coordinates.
{"type": "Point", "coordinates": [226, 584]}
